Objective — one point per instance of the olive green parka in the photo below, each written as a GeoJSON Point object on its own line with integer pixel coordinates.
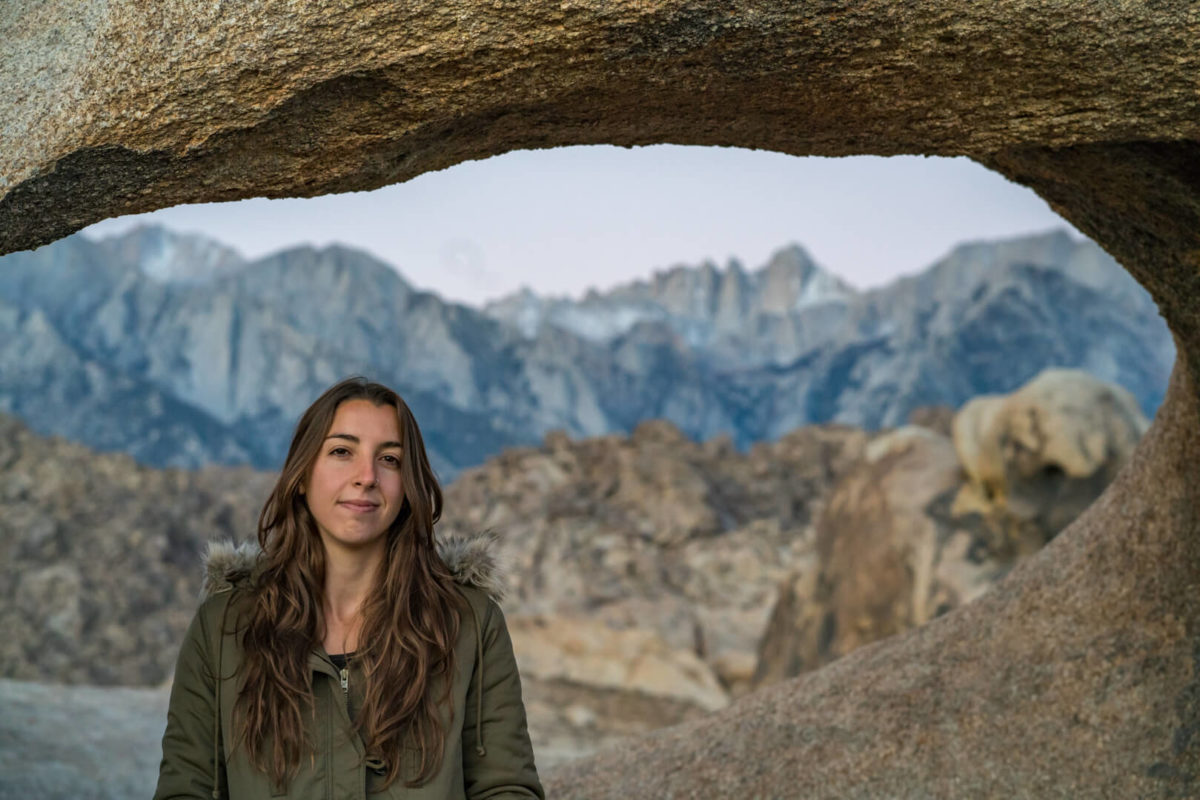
{"type": "Point", "coordinates": [487, 748]}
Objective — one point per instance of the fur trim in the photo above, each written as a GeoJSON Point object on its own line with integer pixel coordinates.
{"type": "Point", "coordinates": [227, 564]}
{"type": "Point", "coordinates": [471, 559]}
{"type": "Point", "coordinates": [473, 562]}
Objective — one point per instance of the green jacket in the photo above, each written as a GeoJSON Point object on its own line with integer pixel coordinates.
{"type": "Point", "coordinates": [487, 748]}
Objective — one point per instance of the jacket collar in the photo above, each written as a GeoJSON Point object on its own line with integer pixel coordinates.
{"type": "Point", "coordinates": [471, 559]}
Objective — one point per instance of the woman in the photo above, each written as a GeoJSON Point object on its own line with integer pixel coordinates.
{"type": "Point", "coordinates": [346, 656]}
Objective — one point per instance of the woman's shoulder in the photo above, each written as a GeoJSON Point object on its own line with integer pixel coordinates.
{"type": "Point", "coordinates": [229, 569]}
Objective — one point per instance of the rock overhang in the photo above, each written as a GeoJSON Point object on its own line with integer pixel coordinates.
{"type": "Point", "coordinates": [115, 108]}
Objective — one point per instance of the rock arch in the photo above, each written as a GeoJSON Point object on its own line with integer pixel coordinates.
{"type": "Point", "coordinates": [1080, 675]}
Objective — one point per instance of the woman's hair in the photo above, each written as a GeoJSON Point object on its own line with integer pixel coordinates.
{"type": "Point", "coordinates": [409, 625]}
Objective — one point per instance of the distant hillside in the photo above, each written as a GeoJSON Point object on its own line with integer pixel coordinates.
{"type": "Point", "coordinates": [179, 352]}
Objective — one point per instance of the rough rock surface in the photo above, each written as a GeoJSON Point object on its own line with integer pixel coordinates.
{"type": "Point", "coordinates": [1041, 455]}
{"type": "Point", "coordinates": [879, 558]}
{"type": "Point", "coordinates": [1077, 678]}
{"type": "Point", "coordinates": [99, 557]}
{"type": "Point", "coordinates": [586, 652]}
{"type": "Point", "coordinates": [907, 534]}
{"type": "Point", "coordinates": [656, 533]}
{"type": "Point", "coordinates": [119, 110]}
{"type": "Point", "coordinates": [1074, 677]}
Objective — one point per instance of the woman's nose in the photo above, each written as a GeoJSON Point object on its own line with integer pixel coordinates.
{"type": "Point", "coordinates": [366, 473]}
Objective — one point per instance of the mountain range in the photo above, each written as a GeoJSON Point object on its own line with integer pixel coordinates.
{"type": "Point", "coordinates": [175, 349]}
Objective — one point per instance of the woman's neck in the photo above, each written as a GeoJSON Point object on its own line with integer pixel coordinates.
{"type": "Point", "coordinates": [349, 577]}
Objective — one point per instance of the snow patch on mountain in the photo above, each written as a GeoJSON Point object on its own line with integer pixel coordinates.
{"type": "Point", "coordinates": [169, 257]}
{"type": "Point", "coordinates": [696, 302]}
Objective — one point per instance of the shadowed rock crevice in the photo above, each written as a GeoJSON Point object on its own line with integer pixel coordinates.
{"type": "Point", "coordinates": [46, 208]}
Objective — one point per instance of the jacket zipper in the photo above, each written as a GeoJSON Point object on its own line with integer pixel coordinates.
{"type": "Point", "coordinates": [344, 675]}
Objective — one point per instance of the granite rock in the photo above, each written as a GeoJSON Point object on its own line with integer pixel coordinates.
{"type": "Point", "coordinates": [1076, 677]}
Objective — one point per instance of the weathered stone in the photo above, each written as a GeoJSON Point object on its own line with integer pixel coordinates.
{"type": "Point", "coordinates": [879, 558]}
{"type": "Point", "coordinates": [1038, 457]}
{"type": "Point", "coordinates": [654, 533]}
{"type": "Point", "coordinates": [114, 110]}
{"type": "Point", "coordinates": [100, 557]}
{"type": "Point", "coordinates": [908, 534]}
{"type": "Point", "coordinates": [582, 651]}
{"type": "Point", "coordinates": [1077, 678]}
{"type": "Point", "coordinates": [936, 418]}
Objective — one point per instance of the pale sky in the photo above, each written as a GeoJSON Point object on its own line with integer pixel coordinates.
{"type": "Point", "coordinates": [563, 220]}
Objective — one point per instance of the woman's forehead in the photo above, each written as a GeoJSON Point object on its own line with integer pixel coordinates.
{"type": "Point", "coordinates": [362, 420]}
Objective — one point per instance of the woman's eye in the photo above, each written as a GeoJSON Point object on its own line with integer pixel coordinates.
{"type": "Point", "coordinates": [339, 451]}
{"type": "Point", "coordinates": [391, 461]}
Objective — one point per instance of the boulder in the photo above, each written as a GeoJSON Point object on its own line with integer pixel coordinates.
{"type": "Point", "coordinates": [1036, 458]}
{"type": "Point", "coordinates": [879, 558]}
{"type": "Point", "coordinates": [922, 526]}
{"type": "Point", "coordinates": [1073, 677]}
{"type": "Point", "coordinates": [583, 651]}
{"type": "Point", "coordinates": [655, 533]}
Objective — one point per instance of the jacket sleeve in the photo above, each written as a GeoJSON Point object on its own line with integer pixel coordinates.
{"type": "Point", "coordinates": [187, 771]}
{"type": "Point", "coordinates": [505, 770]}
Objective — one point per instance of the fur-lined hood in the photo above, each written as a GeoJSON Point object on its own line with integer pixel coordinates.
{"type": "Point", "coordinates": [471, 559]}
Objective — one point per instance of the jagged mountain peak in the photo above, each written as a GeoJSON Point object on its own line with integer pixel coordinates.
{"type": "Point", "coordinates": [700, 301]}
{"type": "Point", "coordinates": [792, 280]}
{"type": "Point", "coordinates": [971, 259]}
{"type": "Point", "coordinates": [970, 265]}
{"type": "Point", "coordinates": [700, 347]}
{"type": "Point", "coordinates": [523, 308]}
{"type": "Point", "coordinates": [168, 256]}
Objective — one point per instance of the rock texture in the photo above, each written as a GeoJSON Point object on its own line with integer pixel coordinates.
{"type": "Point", "coordinates": [1078, 677]}
{"type": "Point", "coordinates": [98, 557]}
{"type": "Point", "coordinates": [117, 113]}
{"type": "Point", "coordinates": [1074, 677]}
{"type": "Point", "coordinates": [922, 525]}
{"type": "Point", "coordinates": [882, 562]}
{"type": "Point", "coordinates": [589, 653]}
{"type": "Point", "coordinates": [654, 534]}
{"type": "Point", "coordinates": [1038, 457]}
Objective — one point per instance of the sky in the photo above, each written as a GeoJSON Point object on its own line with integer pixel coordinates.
{"type": "Point", "coordinates": [563, 220]}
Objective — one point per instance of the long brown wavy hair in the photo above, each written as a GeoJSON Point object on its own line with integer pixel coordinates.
{"type": "Point", "coordinates": [410, 620]}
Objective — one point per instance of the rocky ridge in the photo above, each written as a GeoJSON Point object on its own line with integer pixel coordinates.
{"type": "Point", "coordinates": [217, 356]}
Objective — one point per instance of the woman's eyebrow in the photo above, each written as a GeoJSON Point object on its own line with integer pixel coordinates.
{"type": "Point", "coordinates": [352, 438]}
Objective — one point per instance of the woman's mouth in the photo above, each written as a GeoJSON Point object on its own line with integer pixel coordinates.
{"type": "Point", "coordinates": [359, 506]}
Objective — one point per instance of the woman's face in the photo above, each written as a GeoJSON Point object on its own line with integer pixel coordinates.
{"type": "Point", "coordinates": [354, 490]}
